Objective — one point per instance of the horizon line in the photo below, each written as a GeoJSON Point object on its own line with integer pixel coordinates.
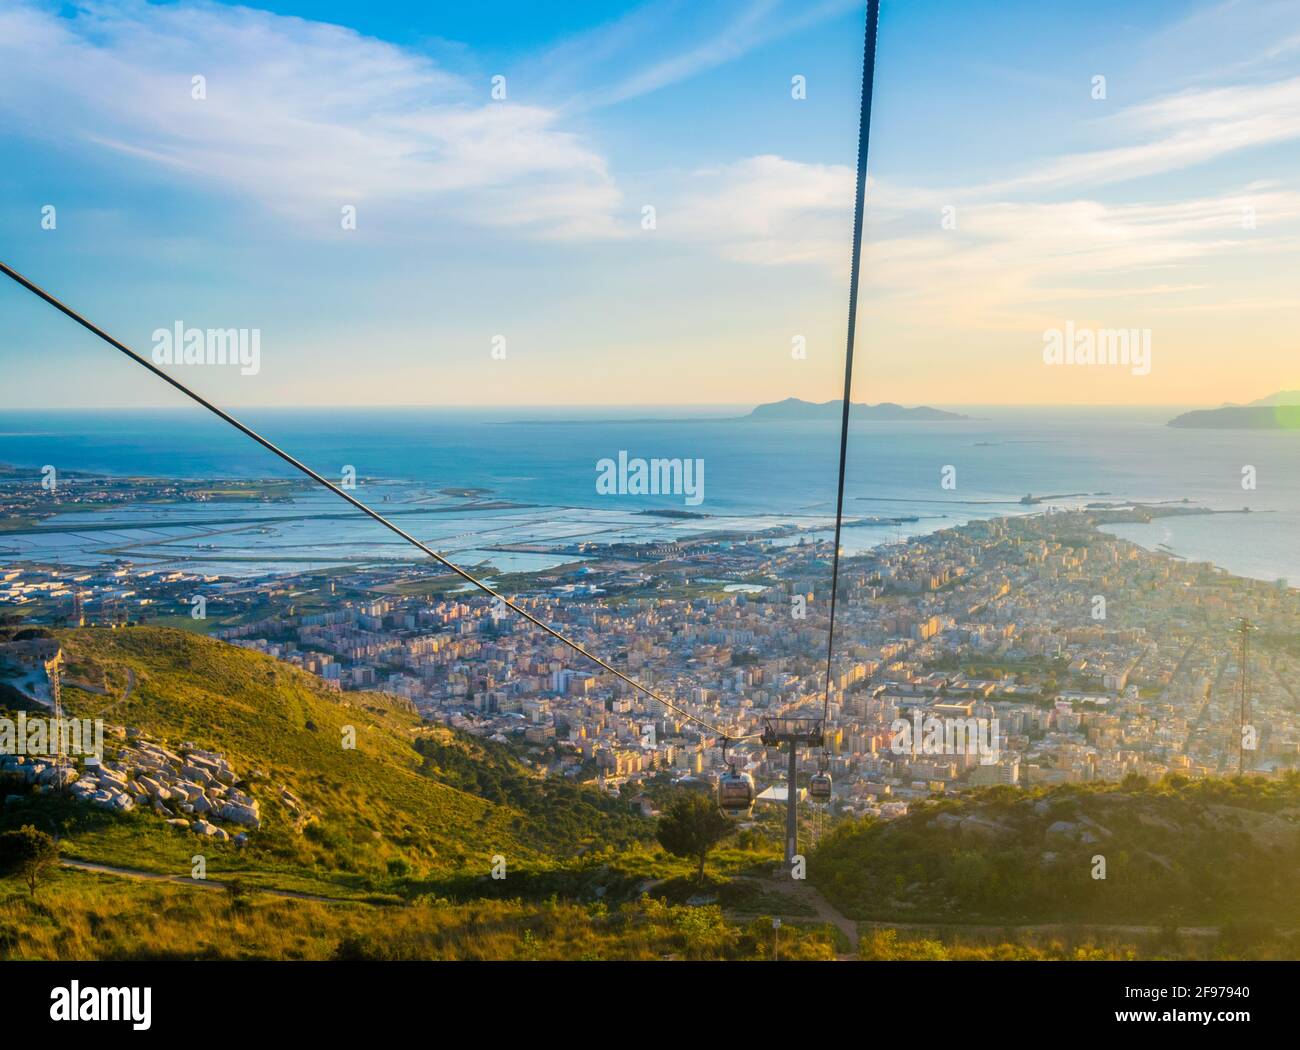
{"type": "Point", "coordinates": [617, 405]}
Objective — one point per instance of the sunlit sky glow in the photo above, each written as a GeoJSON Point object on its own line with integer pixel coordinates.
{"type": "Point", "coordinates": [1173, 204]}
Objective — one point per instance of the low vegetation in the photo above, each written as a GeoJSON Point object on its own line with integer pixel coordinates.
{"type": "Point", "coordinates": [81, 916]}
{"type": "Point", "coordinates": [1178, 852]}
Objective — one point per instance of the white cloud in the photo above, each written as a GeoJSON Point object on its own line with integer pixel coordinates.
{"type": "Point", "coordinates": [639, 52]}
{"type": "Point", "coordinates": [1007, 262]}
{"type": "Point", "coordinates": [300, 115]}
{"type": "Point", "coordinates": [1016, 251]}
{"type": "Point", "coordinates": [1176, 132]}
{"type": "Point", "coordinates": [766, 210]}
{"type": "Point", "coordinates": [1228, 37]}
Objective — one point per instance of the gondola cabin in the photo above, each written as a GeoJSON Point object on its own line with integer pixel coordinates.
{"type": "Point", "coordinates": [736, 793]}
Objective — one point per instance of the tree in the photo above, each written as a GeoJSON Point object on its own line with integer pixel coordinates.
{"type": "Point", "coordinates": [29, 853]}
{"type": "Point", "coordinates": [691, 826]}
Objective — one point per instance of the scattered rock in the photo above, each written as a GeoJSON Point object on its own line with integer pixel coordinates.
{"type": "Point", "coordinates": [1063, 827]}
{"type": "Point", "coordinates": [239, 813]}
{"type": "Point", "coordinates": [975, 824]}
{"type": "Point", "coordinates": [143, 772]}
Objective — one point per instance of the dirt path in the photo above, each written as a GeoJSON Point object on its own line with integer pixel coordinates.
{"type": "Point", "coordinates": [803, 892]}
{"type": "Point", "coordinates": [808, 895]}
{"type": "Point", "coordinates": [126, 693]}
{"type": "Point", "coordinates": [201, 884]}
{"type": "Point", "coordinates": [996, 929]}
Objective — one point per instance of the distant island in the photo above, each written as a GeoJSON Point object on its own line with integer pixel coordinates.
{"type": "Point", "coordinates": [1280, 411]}
{"type": "Point", "coordinates": [796, 408]}
{"type": "Point", "coordinates": [792, 408]}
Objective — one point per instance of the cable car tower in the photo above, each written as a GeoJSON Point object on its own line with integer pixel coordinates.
{"type": "Point", "coordinates": [1243, 628]}
{"type": "Point", "coordinates": [792, 733]}
{"type": "Point", "coordinates": [54, 669]}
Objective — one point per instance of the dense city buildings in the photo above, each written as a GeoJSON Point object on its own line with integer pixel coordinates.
{"type": "Point", "coordinates": [1026, 650]}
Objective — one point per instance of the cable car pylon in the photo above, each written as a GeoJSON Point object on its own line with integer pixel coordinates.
{"type": "Point", "coordinates": [790, 733]}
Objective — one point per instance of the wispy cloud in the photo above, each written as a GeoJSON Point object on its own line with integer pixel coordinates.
{"type": "Point", "coordinates": [1007, 265]}
{"type": "Point", "coordinates": [1004, 262]}
{"type": "Point", "coordinates": [766, 210]}
{"type": "Point", "coordinates": [1018, 248]}
{"type": "Point", "coordinates": [1175, 133]}
{"type": "Point", "coordinates": [642, 51]}
{"type": "Point", "coordinates": [300, 115]}
{"type": "Point", "coordinates": [1229, 38]}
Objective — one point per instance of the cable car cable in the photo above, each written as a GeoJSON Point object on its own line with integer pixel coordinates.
{"type": "Point", "coordinates": [365, 509]}
{"type": "Point", "coordinates": [868, 78]}
{"type": "Point", "coordinates": [864, 129]}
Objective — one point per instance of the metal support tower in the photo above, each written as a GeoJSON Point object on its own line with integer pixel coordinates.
{"type": "Point", "coordinates": [1244, 629]}
{"type": "Point", "coordinates": [790, 733]}
{"type": "Point", "coordinates": [55, 672]}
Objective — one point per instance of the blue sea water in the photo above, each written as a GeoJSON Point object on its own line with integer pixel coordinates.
{"type": "Point", "coordinates": [753, 471]}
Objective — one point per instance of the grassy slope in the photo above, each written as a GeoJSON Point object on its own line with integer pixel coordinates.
{"type": "Point", "coordinates": [79, 916]}
{"type": "Point", "coordinates": [439, 802]}
{"type": "Point", "coordinates": [556, 816]}
{"type": "Point", "coordinates": [382, 801]}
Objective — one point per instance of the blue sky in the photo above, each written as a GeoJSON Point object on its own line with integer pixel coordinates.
{"type": "Point", "coordinates": [522, 217]}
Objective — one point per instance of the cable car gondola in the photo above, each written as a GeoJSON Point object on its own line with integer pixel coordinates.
{"type": "Point", "coordinates": [735, 790]}
{"type": "Point", "coordinates": [819, 784]}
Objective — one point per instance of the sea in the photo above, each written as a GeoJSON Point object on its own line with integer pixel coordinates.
{"type": "Point", "coordinates": [418, 464]}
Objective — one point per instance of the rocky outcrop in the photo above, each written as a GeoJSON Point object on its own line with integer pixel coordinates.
{"type": "Point", "coordinates": [191, 788]}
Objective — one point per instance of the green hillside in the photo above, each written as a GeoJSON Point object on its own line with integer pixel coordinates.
{"type": "Point", "coordinates": [401, 801]}
{"type": "Point", "coordinates": [1178, 852]}
{"type": "Point", "coordinates": [383, 851]}
{"type": "Point", "coordinates": [394, 841]}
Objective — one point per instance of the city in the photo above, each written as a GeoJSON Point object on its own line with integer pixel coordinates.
{"type": "Point", "coordinates": [1091, 658]}
{"type": "Point", "coordinates": [573, 488]}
